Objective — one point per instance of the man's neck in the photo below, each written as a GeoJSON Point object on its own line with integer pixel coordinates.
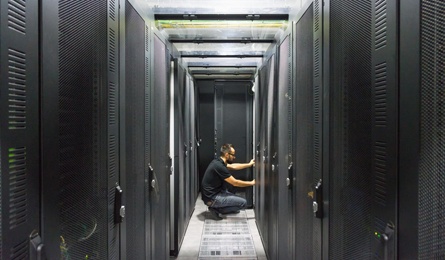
{"type": "Point", "coordinates": [224, 160]}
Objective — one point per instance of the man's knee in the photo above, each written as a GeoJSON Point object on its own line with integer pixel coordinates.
{"type": "Point", "coordinates": [244, 203]}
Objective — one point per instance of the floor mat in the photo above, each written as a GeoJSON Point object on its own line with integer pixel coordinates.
{"type": "Point", "coordinates": [227, 239]}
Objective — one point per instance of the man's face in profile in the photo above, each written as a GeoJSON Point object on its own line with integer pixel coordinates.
{"type": "Point", "coordinates": [231, 156]}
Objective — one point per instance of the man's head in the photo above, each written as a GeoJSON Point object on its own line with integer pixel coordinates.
{"type": "Point", "coordinates": [228, 152]}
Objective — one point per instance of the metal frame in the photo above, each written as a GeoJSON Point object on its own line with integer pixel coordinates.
{"type": "Point", "coordinates": [319, 105]}
{"type": "Point", "coordinates": [221, 17]}
{"type": "Point", "coordinates": [241, 40]}
{"type": "Point", "coordinates": [409, 128]}
{"type": "Point", "coordinates": [122, 116]}
{"type": "Point", "coordinates": [49, 135]}
{"type": "Point", "coordinates": [326, 129]}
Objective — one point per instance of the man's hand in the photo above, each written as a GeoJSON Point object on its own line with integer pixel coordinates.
{"type": "Point", "coordinates": [252, 163]}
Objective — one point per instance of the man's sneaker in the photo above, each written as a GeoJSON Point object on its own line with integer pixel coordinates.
{"type": "Point", "coordinates": [215, 214]}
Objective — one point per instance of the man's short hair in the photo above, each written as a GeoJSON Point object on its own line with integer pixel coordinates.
{"type": "Point", "coordinates": [226, 148]}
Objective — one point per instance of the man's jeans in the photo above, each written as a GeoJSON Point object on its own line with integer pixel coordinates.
{"type": "Point", "coordinates": [226, 202]}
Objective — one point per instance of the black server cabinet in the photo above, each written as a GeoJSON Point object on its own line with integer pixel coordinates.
{"type": "Point", "coordinates": [19, 128]}
{"type": "Point", "coordinates": [185, 176]}
{"type": "Point", "coordinates": [304, 138]}
{"type": "Point", "coordinates": [350, 130]}
{"type": "Point", "coordinates": [190, 143]}
{"type": "Point", "coordinates": [284, 149]}
{"type": "Point", "coordinates": [133, 132]}
{"type": "Point", "coordinates": [206, 129]}
{"type": "Point", "coordinates": [79, 124]}
{"type": "Point", "coordinates": [266, 190]}
{"type": "Point", "coordinates": [177, 228]}
{"type": "Point", "coordinates": [270, 160]}
{"type": "Point", "coordinates": [179, 191]}
{"type": "Point", "coordinates": [193, 142]}
{"type": "Point", "coordinates": [160, 163]}
{"type": "Point", "coordinates": [422, 82]}
{"type": "Point", "coordinates": [260, 132]}
{"type": "Point", "coordinates": [363, 114]}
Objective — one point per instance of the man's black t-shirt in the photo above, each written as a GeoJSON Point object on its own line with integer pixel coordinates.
{"type": "Point", "coordinates": [213, 180]}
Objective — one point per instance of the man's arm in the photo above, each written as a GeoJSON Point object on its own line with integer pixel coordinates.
{"type": "Point", "coordinates": [240, 166]}
{"type": "Point", "coordinates": [239, 183]}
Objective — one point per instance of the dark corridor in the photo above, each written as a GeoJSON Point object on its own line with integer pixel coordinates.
{"type": "Point", "coordinates": [112, 109]}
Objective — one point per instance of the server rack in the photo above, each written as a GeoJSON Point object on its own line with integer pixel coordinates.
{"type": "Point", "coordinates": [267, 190]}
{"type": "Point", "coordinates": [179, 188]}
{"type": "Point", "coordinates": [350, 113]}
{"type": "Point", "coordinates": [185, 158]}
{"type": "Point", "coordinates": [194, 143]}
{"type": "Point", "coordinates": [19, 129]}
{"type": "Point", "coordinates": [421, 223]}
{"type": "Point", "coordinates": [304, 134]}
{"type": "Point", "coordinates": [260, 189]}
{"type": "Point", "coordinates": [79, 129]}
{"type": "Point", "coordinates": [284, 150]}
{"type": "Point", "coordinates": [191, 144]}
{"type": "Point", "coordinates": [135, 51]}
{"type": "Point", "coordinates": [160, 163]}
{"type": "Point", "coordinates": [363, 114]}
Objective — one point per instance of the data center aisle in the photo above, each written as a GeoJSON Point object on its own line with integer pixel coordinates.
{"type": "Point", "coordinates": [230, 238]}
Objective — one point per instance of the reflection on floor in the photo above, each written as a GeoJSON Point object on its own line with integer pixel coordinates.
{"type": "Point", "coordinates": [238, 225]}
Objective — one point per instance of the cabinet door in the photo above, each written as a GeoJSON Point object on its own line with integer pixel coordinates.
{"type": "Point", "coordinates": [159, 179]}
{"type": "Point", "coordinates": [79, 120]}
{"type": "Point", "coordinates": [19, 127]}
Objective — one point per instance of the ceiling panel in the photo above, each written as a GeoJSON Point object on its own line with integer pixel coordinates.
{"type": "Point", "coordinates": [243, 30]}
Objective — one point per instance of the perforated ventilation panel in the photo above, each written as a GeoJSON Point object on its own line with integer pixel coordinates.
{"type": "Point", "coordinates": [304, 157]}
{"type": "Point", "coordinates": [432, 163]}
{"type": "Point", "coordinates": [135, 130]}
{"type": "Point", "coordinates": [18, 201]}
{"type": "Point", "coordinates": [17, 16]}
{"type": "Point", "coordinates": [20, 251]}
{"type": "Point", "coordinates": [84, 194]}
{"type": "Point", "coordinates": [350, 212]}
{"type": "Point", "coordinates": [19, 128]}
{"type": "Point", "coordinates": [17, 89]}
